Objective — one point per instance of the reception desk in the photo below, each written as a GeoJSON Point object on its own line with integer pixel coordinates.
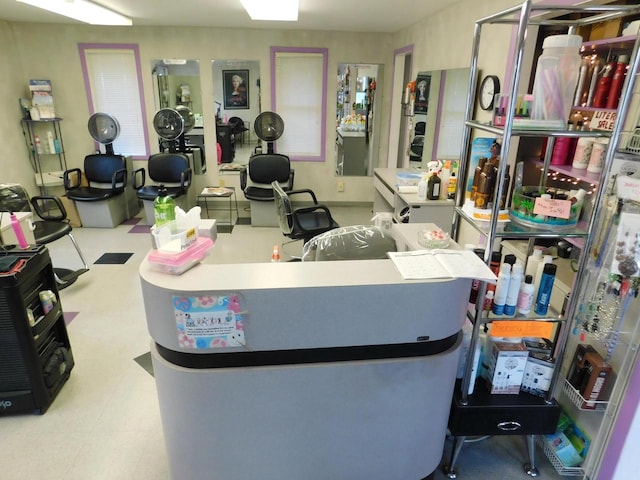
{"type": "Point", "coordinates": [329, 370]}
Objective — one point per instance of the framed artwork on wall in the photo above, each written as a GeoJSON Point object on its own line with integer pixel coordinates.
{"type": "Point", "coordinates": [235, 88]}
{"type": "Point", "coordinates": [423, 85]}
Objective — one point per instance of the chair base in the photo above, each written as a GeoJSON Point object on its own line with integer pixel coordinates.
{"type": "Point", "coordinates": [149, 218]}
{"type": "Point", "coordinates": [103, 214]}
{"type": "Point", "coordinates": [263, 214]}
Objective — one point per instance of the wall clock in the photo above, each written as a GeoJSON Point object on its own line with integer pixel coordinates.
{"type": "Point", "coordinates": [489, 88]}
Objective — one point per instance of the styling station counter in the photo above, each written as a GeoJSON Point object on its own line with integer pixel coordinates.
{"type": "Point", "coordinates": [407, 205]}
{"type": "Point", "coordinates": [351, 151]}
{"type": "Point", "coordinates": [314, 370]}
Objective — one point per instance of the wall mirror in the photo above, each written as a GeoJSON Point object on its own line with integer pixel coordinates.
{"type": "Point", "coordinates": [438, 120]}
{"type": "Point", "coordinates": [357, 118]}
{"type": "Point", "coordinates": [176, 82]}
{"type": "Point", "coordinates": [237, 102]}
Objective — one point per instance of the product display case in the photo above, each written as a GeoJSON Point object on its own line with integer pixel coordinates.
{"type": "Point", "coordinates": [476, 411]}
{"type": "Point", "coordinates": [46, 151]}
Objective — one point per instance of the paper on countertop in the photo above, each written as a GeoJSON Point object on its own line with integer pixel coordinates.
{"type": "Point", "coordinates": [441, 263]}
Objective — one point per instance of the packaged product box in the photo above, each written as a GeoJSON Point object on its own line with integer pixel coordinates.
{"type": "Point", "coordinates": [570, 443]}
{"type": "Point", "coordinates": [564, 449]}
{"type": "Point", "coordinates": [578, 369]}
{"type": "Point", "coordinates": [593, 383]}
{"type": "Point", "coordinates": [537, 374]}
{"type": "Point", "coordinates": [506, 365]}
{"type": "Point", "coordinates": [608, 29]}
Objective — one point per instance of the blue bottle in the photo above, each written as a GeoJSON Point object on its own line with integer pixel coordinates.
{"type": "Point", "coordinates": [546, 285]}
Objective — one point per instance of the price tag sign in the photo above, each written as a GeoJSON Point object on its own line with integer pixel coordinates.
{"type": "Point", "coordinates": [603, 120]}
{"type": "Point", "coordinates": [550, 207]}
{"type": "Point", "coordinates": [522, 329]}
{"type": "Point", "coordinates": [628, 187]}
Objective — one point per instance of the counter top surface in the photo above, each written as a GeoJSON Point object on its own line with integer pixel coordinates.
{"type": "Point", "coordinates": [350, 133]}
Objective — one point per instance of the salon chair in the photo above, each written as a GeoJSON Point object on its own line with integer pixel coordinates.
{"type": "Point", "coordinates": [256, 184]}
{"type": "Point", "coordinates": [171, 170]}
{"type": "Point", "coordinates": [102, 202]}
{"type": "Point", "coordinates": [355, 242]}
{"type": "Point", "coordinates": [302, 223]}
{"type": "Point", "coordinates": [51, 226]}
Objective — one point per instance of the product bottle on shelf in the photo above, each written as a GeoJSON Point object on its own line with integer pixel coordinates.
{"type": "Point", "coordinates": [546, 285]}
{"type": "Point", "coordinates": [502, 287]}
{"type": "Point", "coordinates": [494, 266]}
{"type": "Point", "coordinates": [533, 261]}
{"type": "Point", "coordinates": [485, 186]}
{"type": "Point", "coordinates": [433, 187]}
{"type": "Point", "coordinates": [593, 83]}
{"type": "Point", "coordinates": [476, 177]}
{"type": "Point", "coordinates": [597, 156]}
{"type": "Point", "coordinates": [505, 189]}
{"type": "Point", "coordinates": [451, 186]}
{"type": "Point", "coordinates": [604, 85]}
{"type": "Point", "coordinates": [422, 189]}
{"type": "Point", "coordinates": [617, 81]}
{"type": "Point", "coordinates": [582, 153]}
{"type": "Point", "coordinates": [514, 289]}
{"type": "Point", "coordinates": [525, 297]}
{"type": "Point", "coordinates": [545, 260]}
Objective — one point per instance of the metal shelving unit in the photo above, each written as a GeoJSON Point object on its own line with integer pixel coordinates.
{"type": "Point", "coordinates": [48, 161]}
{"type": "Point", "coordinates": [482, 413]}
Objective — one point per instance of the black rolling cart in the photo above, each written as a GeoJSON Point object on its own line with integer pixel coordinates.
{"type": "Point", "coordinates": [35, 354]}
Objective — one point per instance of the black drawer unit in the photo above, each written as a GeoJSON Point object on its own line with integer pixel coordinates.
{"type": "Point", "coordinates": [486, 414]}
{"type": "Point", "coordinates": [35, 360]}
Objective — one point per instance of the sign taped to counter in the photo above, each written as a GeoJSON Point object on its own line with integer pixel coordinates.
{"type": "Point", "coordinates": [210, 321]}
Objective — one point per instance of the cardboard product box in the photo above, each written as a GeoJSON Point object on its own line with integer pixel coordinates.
{"type": "Point", "coordinates": [506, 366]}
{"type": "Point", "coordinates": [608, 29]}
{"type": "Point", "coordinates": [578, 369]}
{"type": "Point", "coordinates": [597, 372]}
{"type": "Point", "coordinates": [537, 374]}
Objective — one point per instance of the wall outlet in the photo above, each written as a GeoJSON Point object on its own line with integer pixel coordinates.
{"type": "Point", "coordinates": [340, 185]}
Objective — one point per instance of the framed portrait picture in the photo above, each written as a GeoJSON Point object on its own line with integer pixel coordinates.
{"type": "Point", "coordinates": [423, 84]}
{"type": "Point", "coordinates": [235, 88]}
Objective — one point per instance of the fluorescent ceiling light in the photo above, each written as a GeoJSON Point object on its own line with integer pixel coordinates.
{"type": "Point", "coordinates": [81, 10]}
{"type": "Point", "coordinates": [282, 10]}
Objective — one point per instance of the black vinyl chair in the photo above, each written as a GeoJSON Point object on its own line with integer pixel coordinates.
{"type": "Point", "coordinates": [53, 225]}
{"type": "Point", "coordinates": [302, 223]}
{"type": "Point", "coordinates": [169, 169]}
{"type": "Point", "coordinates": [102, 201]}
{"type": "Point", "coordinates": [256, 180]}
{"type": "Point", "coordinates": [420, 128]}
{"type": "Point", "coordinates": [106, 176]}
{"type": "Point", "coordinates": [237, 127]}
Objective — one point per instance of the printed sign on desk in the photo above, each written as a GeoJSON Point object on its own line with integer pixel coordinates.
{"type": "Point", "coordinates": [209, 321]}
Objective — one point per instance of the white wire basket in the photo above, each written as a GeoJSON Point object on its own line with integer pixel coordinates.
{"type": "Point", "coordinates": [579, 401]}
{"type": "Point", "coordinates": [560, 467]}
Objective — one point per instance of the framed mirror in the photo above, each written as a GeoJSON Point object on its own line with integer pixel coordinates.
{"type": "Point", "coordinates": [176, 83]}
{"type": "Point", "coordinates": [357, 122]}
{"type": "Point", "coordinates": [438, 120]}
{"type": "Point", "coordinates": [237, 101]}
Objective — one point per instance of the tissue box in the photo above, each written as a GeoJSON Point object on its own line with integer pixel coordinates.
{"type": "Point", "coordinates": [170, 238]}
{"type": "Point", "coordinates": [178, 263]}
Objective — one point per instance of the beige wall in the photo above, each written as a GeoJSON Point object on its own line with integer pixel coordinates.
{"type": "Point", "coordinates": [51, 51]}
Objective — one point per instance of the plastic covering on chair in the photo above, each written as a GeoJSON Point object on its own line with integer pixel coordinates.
{"type": "Point", "coordinates": [356, 242]}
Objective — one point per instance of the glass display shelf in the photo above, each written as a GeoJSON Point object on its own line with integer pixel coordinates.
{"type": "Point", "coordinates": [531, 132]}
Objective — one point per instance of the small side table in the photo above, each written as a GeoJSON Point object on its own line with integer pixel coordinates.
{"type": "Point", "coordinates": [212, 193]}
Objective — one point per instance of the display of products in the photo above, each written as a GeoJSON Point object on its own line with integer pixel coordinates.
{"type": "Point", "coordinates": [617, 81]}
{"type": "Point", "coordinates": [546, 285]}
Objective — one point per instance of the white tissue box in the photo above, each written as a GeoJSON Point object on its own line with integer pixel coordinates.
{"type": "Point", "coordinates": [169, 238]}
{"type": "Point", "coordinates": [207, 228]}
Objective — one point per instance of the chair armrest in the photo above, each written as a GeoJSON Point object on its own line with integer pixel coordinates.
{"type": "Point", "coordinates": [67, 178]}
{"type": "Point", "coordinates": [185, 178]}
{"type": "Point", "coordinates": [292, 173]}
{"type": "Point", "coordinates": [243, 179]}
{"type": "Point", "coordinates": [119, 176]}
{"type": "Point", "coordinates": [304, 190]}
{"type": "Point", "coordinates": [138, 173]}
{"type": "Point", "coordinates": [41, 205]}
{"type": "Point", "coordinates": [314, 208]}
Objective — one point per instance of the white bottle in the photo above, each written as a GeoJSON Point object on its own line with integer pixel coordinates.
{"type": "Point", "coordinates": [514, 289]}
{"type": "Point", "coordinates": [533, 261]}
{"type": "Point", "coordinates": [422, 189]}
{"type": "Point", "coordinates": [525, 297]}
{"type": "Point", "coordinates": [502, 287]}
{"type": "Point", "coordinates": [546, 259]}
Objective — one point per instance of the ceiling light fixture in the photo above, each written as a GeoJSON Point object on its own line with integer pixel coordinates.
{"type": "Point", "coordinates": [81, 10]}
{"type": "Point", "coordinates": [278, 10]}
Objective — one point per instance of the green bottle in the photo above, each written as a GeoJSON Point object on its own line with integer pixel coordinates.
{"type": "Point", "coordinates": [164, 208]}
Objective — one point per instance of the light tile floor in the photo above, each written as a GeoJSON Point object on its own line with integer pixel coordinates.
{"type": "Point", "coordinates": [105, 423]}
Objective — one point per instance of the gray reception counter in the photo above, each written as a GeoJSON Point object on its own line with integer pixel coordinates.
{"type": "Point", "coordinates": [314, 370]}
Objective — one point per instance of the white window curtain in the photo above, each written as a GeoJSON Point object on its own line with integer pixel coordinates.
{"type": "Point", "coordinates": [299, 83]}
{"type": "Point", "coordinates": [452, 114]}
{"type": "Point", "coordinates": [113, 86]}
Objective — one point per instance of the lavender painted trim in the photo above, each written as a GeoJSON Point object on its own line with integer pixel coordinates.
{"type": "Point", "coordinates": [82, 47]}
{"type": "Point", "coordinates": [323, 133]}
{"type": "Point", "coordinates": [622, 425]}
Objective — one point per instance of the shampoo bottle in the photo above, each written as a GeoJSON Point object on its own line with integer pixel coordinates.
{"type": "Point", "coordinates": [533, 261]}
{"type": "Point", "coordinates": [422, 189]}
{"type": "Point", "coordinates": [546, 285]}
{"type": "Point", "coordinates": [525, 297]}
{"type": "Point", "coordinates": [502, 287]}
{"type": "Point", "coordinates": [514, 289]}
